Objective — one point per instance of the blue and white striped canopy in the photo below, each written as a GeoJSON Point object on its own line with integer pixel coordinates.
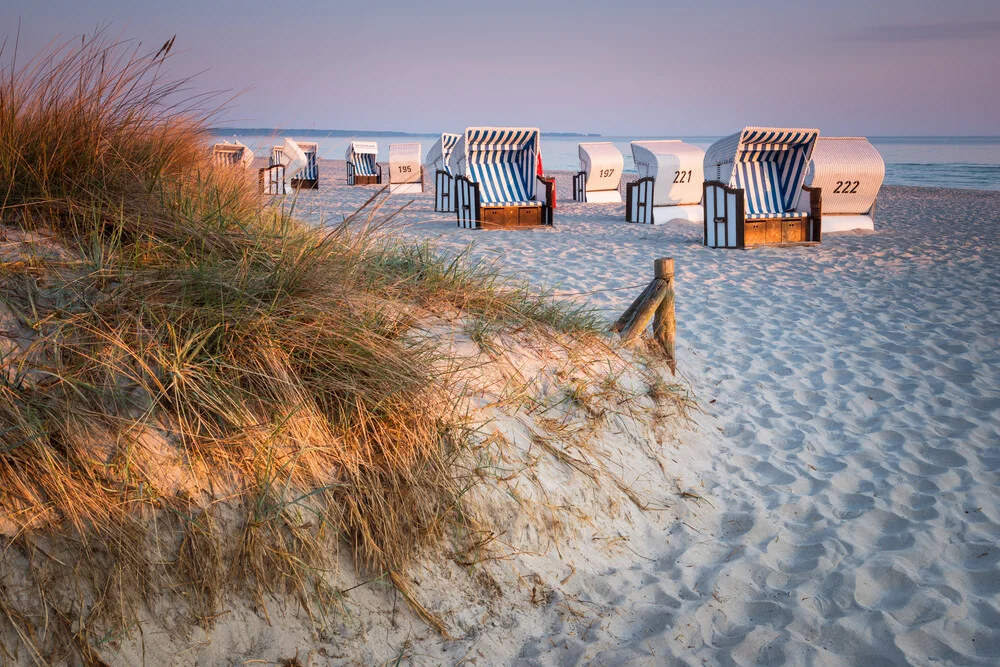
{"type": "Point", "coordinates": [502, 160]}
{"type": "Point", "coordinates": [768, 164]}
{"type": "Point", "coordinates": [363, 155]}
{"type": "Point", "coordinates": [448, 142]}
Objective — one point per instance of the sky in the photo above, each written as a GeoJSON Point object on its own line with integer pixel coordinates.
{"type": "Point", "coordinates": [636, 68]}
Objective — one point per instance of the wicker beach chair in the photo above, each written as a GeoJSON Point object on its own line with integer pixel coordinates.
{"type": "Point", "coordinates": [362, 165]}
{"type": "Point", "coordinates": [669, 186]}
{"type": "Point", "coordinates": [600, 176]}
{"type": "Point", "coordinates": [307, 178]}
{"type": "Point", "coordinates": [496, 181]}
{"type": "Point", "coordinates": [288, 158]}
{"type": "Point", "coordinates": [849, 171]}
{"type": "Point", "coordinates": [754, 179]}
{"type": "Point", "coordinates": [235, 154]}
{"type": "Point", "coordinates": [406, 174]}
{"type": "Point", "coordinates": [437, 160]}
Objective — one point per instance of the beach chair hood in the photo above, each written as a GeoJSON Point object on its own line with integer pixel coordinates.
{"type": "Point", "coordinates": [677, 167]}
{"type": "Point", "coordinates": [502, 160]}
{"type": "Point", "coordinates": [850, 172]}
{"type": "Point", "coordinates": [292, 156]}
{"type": "Point", "coordinates": [768, 163]}
{"type": "Point", "coordinates": [363, 155]}
{"type": "Point", "coordinates": [404, 163]}
{"type": "Point", "coordinates": [440, 152]}
{"type": "Point", "coordinates": [602, 163]}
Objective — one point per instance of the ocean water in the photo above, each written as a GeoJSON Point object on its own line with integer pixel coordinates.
{"type": "Point", "coordinates": [948, 162]}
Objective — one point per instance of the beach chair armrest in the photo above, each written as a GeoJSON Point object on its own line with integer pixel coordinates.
{"type": "Point", "coordinates": [545, 190]}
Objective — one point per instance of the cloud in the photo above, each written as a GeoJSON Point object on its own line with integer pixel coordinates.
{"type": "Point", "coordinates": [927, 32]}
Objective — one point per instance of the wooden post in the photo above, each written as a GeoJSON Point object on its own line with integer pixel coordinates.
{"type": "Point", "coordinates": [630, 311]}
{"type": "Point", "coordinates": [655, 303]}
{"type": "Point", "coordinates": [644, 312]}
{"type": "Point", "coordinates": [664, 322]}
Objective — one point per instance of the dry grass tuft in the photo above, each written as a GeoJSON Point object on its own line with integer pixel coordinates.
{"type": "Point", "coordinates": [199, 393]}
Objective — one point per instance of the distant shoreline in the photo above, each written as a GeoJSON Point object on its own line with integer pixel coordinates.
{"type": "Point", "coordinates": [264, 131]}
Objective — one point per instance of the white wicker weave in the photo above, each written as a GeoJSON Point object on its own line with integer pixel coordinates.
{"type": "Point", "coordinates": [232, 155]}
{"type": "Point", "coordinates": [292, 156]}
{"type": "Point", "coordinates": [405, 170]}
{"type": "Point", "coordinates": [602, 165]}
{"type": "Point", "coordinates": [850, 171]}
{"type": "Point", "coordinates": [356, 148]}
{"type": "Point", "coordinates": [677, 170]}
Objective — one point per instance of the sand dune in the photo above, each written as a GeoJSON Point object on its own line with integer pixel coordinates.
{"type": "Point", "coordinates": [850, 446]}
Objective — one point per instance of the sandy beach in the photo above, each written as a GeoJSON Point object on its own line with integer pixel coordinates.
{"type": "Point", "coordinates": [847, 450]}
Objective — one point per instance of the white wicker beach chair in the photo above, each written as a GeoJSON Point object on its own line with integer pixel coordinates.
{"type": "Point", "coordinates": [235, 154]}
{"type": "Point", "coordinates": [437, 160]}
{"type": "Point", "coordinates": [754, 179]}
{"type": "Point", "coordinates": [362, 165]}
{"type": "Point", "coordinates": [849, 171]}
{"type": "Point", "coordinates": [406, 174]}
{"type": "Point", "coordinates": [669, 186]}
{"type": "Point", "coordinates": [306, 178]}
{"type": "Point", "coordinates": [600, 176]}
{"type": "Point", "coordinates": [288, 158]}
{"type": "Point", "coordinates": [496, 181]}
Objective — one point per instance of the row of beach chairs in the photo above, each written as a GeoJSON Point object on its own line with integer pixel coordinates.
{"type": "Point", "coordinates": [299, 159]}
{"type": "Point", "coordinates": [755, 187]}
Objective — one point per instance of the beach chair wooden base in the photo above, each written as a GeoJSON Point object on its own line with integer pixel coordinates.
{"type": "Point", "coordinates": [499, 217]}
{"type": "Point", "coordinates": [774, 231]}
{"type": "Point", "coordinates": [366, 180]}
{"type": "Point", "coordinates": [305, 183]}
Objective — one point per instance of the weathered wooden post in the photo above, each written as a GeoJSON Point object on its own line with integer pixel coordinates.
{"type": "Point", "coordinates": [664, 323]}
{"type": "Point", "coordinates": [655, 303]}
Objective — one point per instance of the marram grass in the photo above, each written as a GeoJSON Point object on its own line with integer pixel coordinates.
{"type": "Point", "coordinates": [171, 322]}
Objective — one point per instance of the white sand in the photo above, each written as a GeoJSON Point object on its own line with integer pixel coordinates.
{"type": "Point", "coordinates": [849, 450]}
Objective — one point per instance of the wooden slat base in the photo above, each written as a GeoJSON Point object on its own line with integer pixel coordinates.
{"type": "Point", "coordinates": [305, 183]}
{"type": "Point", "coordinates": [774, 231]}
{"type": "Point", "coordinates": [366, 180]}
{"type": "Point", "coordinates": [511, 217]}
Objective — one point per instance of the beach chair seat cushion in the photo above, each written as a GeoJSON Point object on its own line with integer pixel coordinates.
{"type": "Point", "coordinates": [526, 202]}
{"type": "Point", "coordinates": [786, 214]}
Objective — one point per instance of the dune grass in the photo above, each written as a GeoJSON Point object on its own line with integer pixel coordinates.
{"type": "Point", "coordinates": [173, 321]}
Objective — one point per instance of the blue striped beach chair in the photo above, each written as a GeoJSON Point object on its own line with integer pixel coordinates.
{"type": "Point", "coordinates": [669, 186]}
{"type": "Point", "coordinates": [496, 184]}
{"type": "Point", "coordinates": [235, 154]}
{"type": "Point", "coordinates": [849, 171]}
{"type": "Point", "coordinates": [437, 159]}
{"type": "Point", "coordinates": [291, 159]}
{"type": "Point", "coordinates": [752, 192]}
{"type": "Point", "coordinates": [406, 174]}
{"type": "Point", "coordinates": [307, 178]}
{"type": "Point", "coordinates": [362, 163]}
{"type": "Point", "coordinates": [600, 176]}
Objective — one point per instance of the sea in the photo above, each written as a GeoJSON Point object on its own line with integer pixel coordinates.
{"type": "Point", "coordinates": [947, 162]}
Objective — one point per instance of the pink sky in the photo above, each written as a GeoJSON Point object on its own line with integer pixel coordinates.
{"type": "Point", "coordinates": [925, 67]}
